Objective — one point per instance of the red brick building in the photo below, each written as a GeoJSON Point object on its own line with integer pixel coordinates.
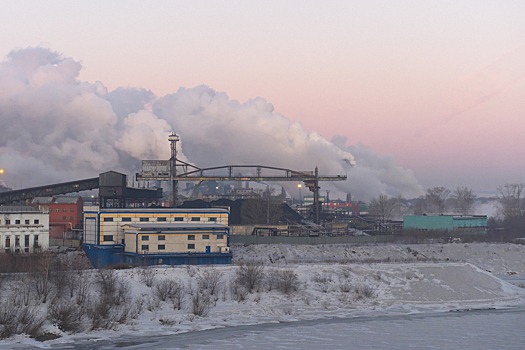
{"type": "Point", "coordinates": [65, 215]}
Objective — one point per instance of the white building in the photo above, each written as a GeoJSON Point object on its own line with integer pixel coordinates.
{"type": "Point", "coordinates": [23, 229]}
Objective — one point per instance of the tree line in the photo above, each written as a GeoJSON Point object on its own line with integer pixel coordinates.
{"type": "Point", "coordinates": [440, 200]}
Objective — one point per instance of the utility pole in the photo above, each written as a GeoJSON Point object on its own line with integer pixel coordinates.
{"type": "Point", "coordinates": [173, 138]}
{"type": "Point", "coordinates": [268, 209]}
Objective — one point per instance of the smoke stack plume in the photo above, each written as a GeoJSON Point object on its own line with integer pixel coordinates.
{"type": "Point", "coordinates": [58, 128]}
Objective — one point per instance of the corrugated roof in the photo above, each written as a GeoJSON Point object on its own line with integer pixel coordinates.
{"type": "Point", "coordinates": [162, 210]}
{"type": "Point", "coordinates": [18, 209]}
{"type": "Point", "coordinates": [42, 200]}
{"type": "Point", "coordinates": [66, 200]}
{"type": "Point", "coordinates": [174, 226]}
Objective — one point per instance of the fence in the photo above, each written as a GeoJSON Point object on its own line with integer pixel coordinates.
{"type": "Point", "coordinates": [242, 239]}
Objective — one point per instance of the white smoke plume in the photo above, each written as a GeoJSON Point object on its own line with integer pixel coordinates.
{"type": "Point", "coordinates": [56, 128]}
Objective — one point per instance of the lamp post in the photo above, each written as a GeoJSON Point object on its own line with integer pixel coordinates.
{"type": "Point", "coordinates": [299, 186]}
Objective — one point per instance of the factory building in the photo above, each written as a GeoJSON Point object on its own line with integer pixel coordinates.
{"type": "Point", "coordinates": [65, 215]}
{"type": "Point", "coordinates": [23, 229]}
{"type": "Point", "coordinates": [152, 236]}
{"type": "Point", "coordinates": [456, 223]}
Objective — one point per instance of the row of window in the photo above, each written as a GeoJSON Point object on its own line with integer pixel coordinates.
{"type": "Point", "coordinates": [109, 238]}
{"type": "Point", "coordinates": [190, 237]}
{"type": "Point", "coordinates": [57, 210]}
{"type": "Point", "coordinates": [7, 241]}
{"type": "Point", "coordinates": [161, 219]}
{"type": "Point", "coordinates": [145, 247]}
{"type": "Point", "coordinates": [19, 222]}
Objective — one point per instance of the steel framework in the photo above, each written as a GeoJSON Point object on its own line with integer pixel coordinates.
{"type": "Point", "coordinates": [247, 173]}
{"type": "Point", "coordinates": [49, 190]}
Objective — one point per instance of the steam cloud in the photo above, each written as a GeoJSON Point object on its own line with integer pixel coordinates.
{"type": "Point", "coordinates": [56, 128]}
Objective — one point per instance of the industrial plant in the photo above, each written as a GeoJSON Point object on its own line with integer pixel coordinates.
{"type": "Point", "coordinates": [157, 221]}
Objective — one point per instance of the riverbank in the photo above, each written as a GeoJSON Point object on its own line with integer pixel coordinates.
{"type": "Point", "coordinates": [323, 282]}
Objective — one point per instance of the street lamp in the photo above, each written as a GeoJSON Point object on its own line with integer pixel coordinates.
{"type": "Point", "coordinates": [299, 186]}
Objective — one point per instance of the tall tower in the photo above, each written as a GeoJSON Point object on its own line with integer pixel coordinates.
{"type": "Point", "coordinates": [173, 138]}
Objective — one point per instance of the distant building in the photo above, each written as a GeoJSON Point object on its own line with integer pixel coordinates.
{"type": "Point", "coordinates": [65, 215]}
{"type": "Point", "coordinates": [457, 223]}
{"type": "Point", "coordinates": [152, 236]}
{"type": "Point", "coordinates": [23, 229]}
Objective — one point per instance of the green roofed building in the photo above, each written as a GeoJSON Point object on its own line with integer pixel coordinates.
{"type": "Point", "coordinates": [459, 223]}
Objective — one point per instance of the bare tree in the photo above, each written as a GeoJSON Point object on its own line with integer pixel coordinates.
{"type": "Point", "coordinates": [420, 207]}
{"type": "Point", "coordinates": [250, 275]}
{"type": "Point", "coordinates": [167, 289]}
{"type": "Point", "coordinates": [210, 279]}
{"type": "Point", "coordinates": [200, 304]}
{"type": "Point", "coordinates": [147, 275]}
{"type": "Point", "coordinates": [66, 315]}
{"type": "Point", "coordinates": [383, 207]}
{"type": "Point", "coordinates": [510, 200]}
{"type": "Point", "coordinates": [288, 281]}
{"type": "Point", "coordinates": [436, 198]}
{"type": "Point", "coordinates": [42, 275]}
{"type": "Point", "coordinates": [464, 199]}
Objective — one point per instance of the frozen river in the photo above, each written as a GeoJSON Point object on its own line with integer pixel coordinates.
{"type": "Point", "coordinates": [465, 330]}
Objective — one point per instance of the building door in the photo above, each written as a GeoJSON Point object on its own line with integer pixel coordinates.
{"type": "Point", "coordinates": [208, 249]}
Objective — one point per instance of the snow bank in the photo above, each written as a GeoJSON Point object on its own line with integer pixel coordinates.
{"type": "Point", "coordinates": [323, 289]}
{"type": "Point", "coordinates": [505, 258]}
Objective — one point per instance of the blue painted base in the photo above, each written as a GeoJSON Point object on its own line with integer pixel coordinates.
{"type": "Point", "coordinates": [103, 256]}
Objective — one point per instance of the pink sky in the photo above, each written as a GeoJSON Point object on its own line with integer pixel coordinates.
{"type": "Point", "coordinates": [438, 85]}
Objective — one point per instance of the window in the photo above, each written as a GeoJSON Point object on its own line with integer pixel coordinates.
{"type": "Point", "coordinates": [162, 247]}
{"type": "Point", "coordinates": [8, 222]}
{"type": "Point", "coordinates": [205, 236]}
{"type": "Point", "coordinates": [17, 222]}
{"type": "Point", "coordinates": [144, 238]}
{"type": "Point", "coordinates": [7, 241]}
{"type": "Point", "coordinates": [26, 241]}
{"type": "Point", "coordinates": [145, 247]}
{"type": "Point", "coordinates": [191, 246]}
{"type": "Point", "coordinates": [27, 221]}
{"type": "Point", "coordinates": [179, 218]}
{"type": "Point", "coordinates": [107, 219]}
{"type": "Point", "coordinates": [195, 218]}
{"type": "Point", "coordinates": [161, 219]}
{"type": "Point", "coordinates": [57, 210]}
{"type": "Point", "coordinates": [143, 219]}
{"type": "Point", "coordinates": [108, 238]}
{"type": "Point", "coordinates": [36, 222]}
{"type": "Point", "coordinates": [70, 218]}
{"type": "Point", "coordinates": [72, 210]}
{"type": "Point", "coordinates": [212, 219]}
{"type": "Point", "coordinates": [220, 236]}
{"type": "Point", "coordinates": [17, 241]}
{"type": "Point", "coordinates": [126, 219]}
{"type": "Point", "coordinates": [65, 218]}
{"type": "Point", "coordinates": [191, 237]}
{"type": "Point", "coordinates": [64, 210]}
{"type": "Point", "coordinates": [35, 241]}
{"type": "Point", "coordinates": [162, 238]}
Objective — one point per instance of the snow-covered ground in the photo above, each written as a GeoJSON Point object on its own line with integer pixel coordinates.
{"type": "Point", "coordinates": [332, 281]}
{"type": "Point", "coordinates": [505, 258]}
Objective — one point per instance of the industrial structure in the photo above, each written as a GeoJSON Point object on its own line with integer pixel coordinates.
{"type": "Point", "coordinates": [452, 223]}
{"type": "Point", "coordinates": [65, 215]}
{"type": "Point", "coordinates": [113, 191]}
{"type": "Point", "coordinates": [129, 226]}
{"type": "Point", "coordinates": [167, 170]}
{"type": "Point", "coordinates": [152, 236]}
